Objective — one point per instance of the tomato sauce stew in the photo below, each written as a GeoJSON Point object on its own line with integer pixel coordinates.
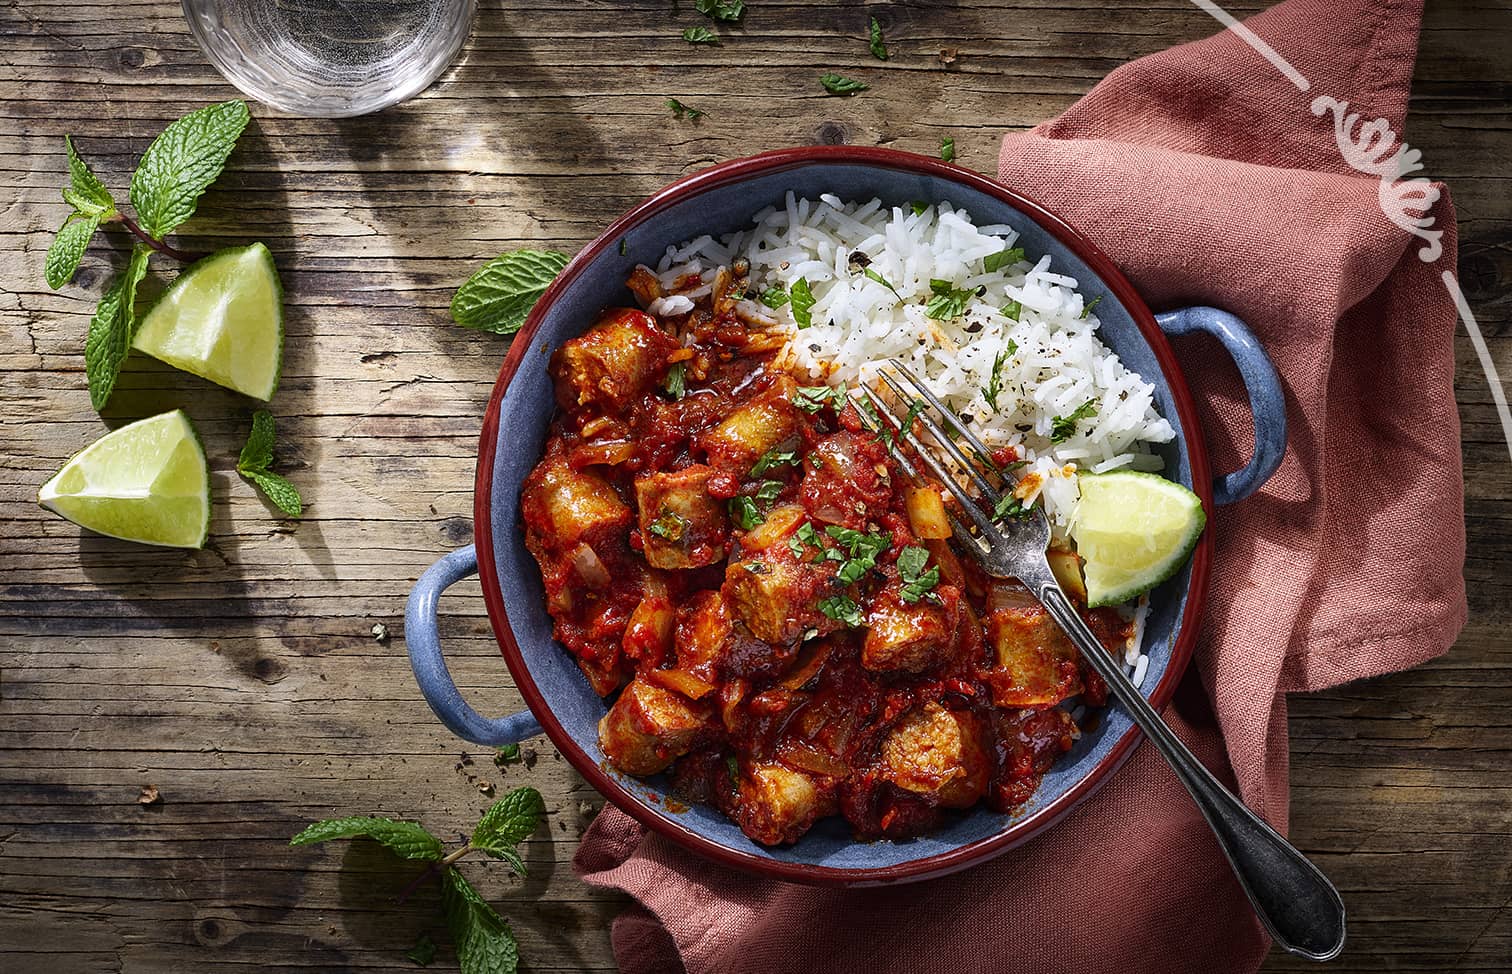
{"type": "Point", "coordinates": [738, 561]}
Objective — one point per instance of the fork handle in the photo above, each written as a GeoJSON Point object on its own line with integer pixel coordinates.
{"type": "Point", "coordinates": [1296, 902]}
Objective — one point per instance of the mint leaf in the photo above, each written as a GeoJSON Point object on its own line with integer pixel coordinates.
{"type": "Point", "coordinates": [182, 162]}
{"type": "Point", "coordinates": [1062, 428]}
{"type": "Point", "coordinates": [112, 328]}
{"type": "Point", "coordinates": [947, 302]}
{"type": "Point", "coordinates": [774, 297]}
{"type": "Point", "coordinates": [68, 247]}
{"type": "Point", "coordinates": [507, 824]}
{"type": "Point", "coordinates": [1001, 259]}
{"type": "Point", "coordinates": [726, 10]}
{"type": "Point", "coordinates": [679, 110]}
{"type": "Point", "coordinates": [284, 495]}
{"type": "Point", "coordinates": [85, 192]}
{"type": "Point", "coordinates": [1012, 310]}
{"type": "Point", "coordinates": [257, 456]}
{"type": "Point", "coordinates": [947, 149]}
{"type": "Point", "coordinates": [878, 48]}
{"type": "Point", "coordinates": [485, 944]}
{"type": "Point", "coordinates": [842, 608]}
{"type": "Point", "coordinates": [499, 296]}
{"type": "Point", "coordinates": [802, 298]}
{"type": "Point", "coordinates": [700, 35]}
{"type": "Point", "coordinates": [838, 85]}
{"type": "Point", "coordinates": [917, 583]}
{"type": "Point", "coordinates": [407, 840]}
{"type": "Point", "coordinates": [258, 453]}
{"type": "Point", "coordinates": [423, 952]}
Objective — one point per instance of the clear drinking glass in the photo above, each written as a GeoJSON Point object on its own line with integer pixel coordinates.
{"type": "Point", "coordinates": [330, 58]}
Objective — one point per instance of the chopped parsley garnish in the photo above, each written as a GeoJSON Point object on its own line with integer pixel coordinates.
{"type": "Point", "coordinates": [811, 399]}
{"type": "Point", "coordinates": [838, 85]}
{"type": "Point", "coordinates": [947, 301]}
{"type": "Point", "coordinates": [745, 513]}
{"type": "Point", "coordinates": [1090, 305]}
{"type": "Point", "coordinates": [883, 281]}
{"type": "Point", "coordinates": [774, 297]}
{"type": "Point", "coordinates": [887, 436]}
{"type": "Point", "coordinates": [878, 47]}
{"type": "Point", "coordinates": [773, 458]}
{"type": "Point", "coordinates": [727, 10]}
{"type": "Point", "coordinates": [842, 609]}
{"type": "Point", "coordinates": [1012, 310]}
{"type": "Point", "coordinates": [623, 247]}
{"type": "Point", "coordinates": [805, 536]}
{"type": "Point", "coordinates": [700, 35]}
{"type": "Point", "coordinates": [918, 207]}
{"type": "Point", "coordinates": [863, 548]}
{"type": "Point", "coordinates": [803, 302]}
{"type": "Point", "coordinates": [679, 110]}
{"type": "Point", "coordinates": [947, 149]}
{"type": "Point", "coordinates": [670, 526]}
{"type": "Point", "coordinates": [994, 386]}
{"type": "Point", "coordinates": [1062, 428]}
{"type": "Point", "coordinates": [917, 583]}
{"type": "Point", "coordinates": [767, 491]}
{"type": "Point", "coordinates": [1001, 259]}
{"type": "Point", "coordinates": [869, 413]}
{"type": "Point", "coordinates": [675, 383]}
{"type": "Point", "coordinates": [1009, 506]}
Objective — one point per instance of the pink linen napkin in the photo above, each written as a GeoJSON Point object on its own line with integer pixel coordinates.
{"type": "Point", "coordinates": [1204, 174]}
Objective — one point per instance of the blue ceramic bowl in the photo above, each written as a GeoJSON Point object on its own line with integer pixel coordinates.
{"type": "Point", "coordinates": [561, 702]}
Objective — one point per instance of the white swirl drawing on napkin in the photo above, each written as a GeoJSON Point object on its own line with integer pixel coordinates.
{"type": "Point", "coordinates": [1368, 150]}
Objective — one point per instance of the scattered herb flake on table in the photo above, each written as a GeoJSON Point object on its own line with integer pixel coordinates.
{"type": "Point", "coordinates": [878, 46]}
{"type": "Point", "coordinates": [726, 10]}
{"type": "Point", "coordinates": [839, 85]}
{"type": "Point", "coordinates": [700, 35]}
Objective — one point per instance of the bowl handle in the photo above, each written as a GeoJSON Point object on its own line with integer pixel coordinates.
{"type": "Point", "coordinates": [1267, 401]}
{"type": "Point", "coordinates": [424, 641]}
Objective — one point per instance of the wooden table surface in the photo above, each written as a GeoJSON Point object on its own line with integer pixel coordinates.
{"type": "Point", "coordinates": [243, 680]}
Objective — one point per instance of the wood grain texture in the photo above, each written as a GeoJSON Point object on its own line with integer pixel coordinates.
{"type": "Point", "coordinates": [243, 680]}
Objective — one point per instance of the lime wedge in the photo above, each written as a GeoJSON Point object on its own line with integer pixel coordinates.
{"type": "Point", "coordinates": [1134, 530]}
{"type": "Point", "coordinates": [145, 482]}
{"type": "Point", "coordinates": [222, 320]}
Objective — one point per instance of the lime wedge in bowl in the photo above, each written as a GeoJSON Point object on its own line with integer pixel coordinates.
{"type": "Point", "coordinates": [222, 320]}
{"type": "Point", "coordinates": [1134, 530]}
{"type": "Point", "coordinates": [147, 482]}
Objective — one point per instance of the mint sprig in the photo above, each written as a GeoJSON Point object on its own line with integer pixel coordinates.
{"type": "Point", "coordinates": [112, 328]}
{"type": "Point", "coordinates": [257, 456]}
{"type": "Point", "coordinates": [407, 840]}
{"type": "Point", "coordinates": [176, 169]}
{"type": "Point", "coordinates": [485, 943]}
{"type": "Point", "coordinates": [506, 825]}
{"type": "Point", "coordinates": [499, 295]}
{"type": "Point", "coordinates": [182, 162]}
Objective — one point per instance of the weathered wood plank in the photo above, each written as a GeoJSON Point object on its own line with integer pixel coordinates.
{"type": "Point", "coordinates": [244, 681]}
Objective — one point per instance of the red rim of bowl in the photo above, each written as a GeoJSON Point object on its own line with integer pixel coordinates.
{"type": "Point", "coordinates": [1017, 831]}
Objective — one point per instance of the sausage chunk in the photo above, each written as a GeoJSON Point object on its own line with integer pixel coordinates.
{"type": "Point", "coordinates": [777, 597]}
{"type": "Point", "coordinates": [712, 645]}
{"type": "Point", "coordinates": [648, 728]}
{"type": "Point", "coordinates": [1035, 664]}
{"type": "Point", "coordinates": [776, 804]}
{"type": "Point", "coordinates": [612, 363]}
{"type": "Point", "coordinates": [681, 526]}
{"type": "Point", "coordinates": [910, 637]}
{"type": "Point", "coordinates": [767, 421]}
{"type": "Point", "coordinates": [938, 752]}
{"type": "Point", "coordinates": [562, 506]}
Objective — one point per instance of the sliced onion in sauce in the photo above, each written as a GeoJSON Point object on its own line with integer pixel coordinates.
{"type": "Point", "coordinates": [589, 567]}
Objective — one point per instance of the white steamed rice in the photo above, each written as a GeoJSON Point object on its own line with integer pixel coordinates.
{"type": "Point", "coordinates": [1054, 360]}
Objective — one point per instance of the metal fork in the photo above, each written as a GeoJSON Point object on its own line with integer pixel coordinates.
{"type": "Point", "coordinates": [1294, 900]}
